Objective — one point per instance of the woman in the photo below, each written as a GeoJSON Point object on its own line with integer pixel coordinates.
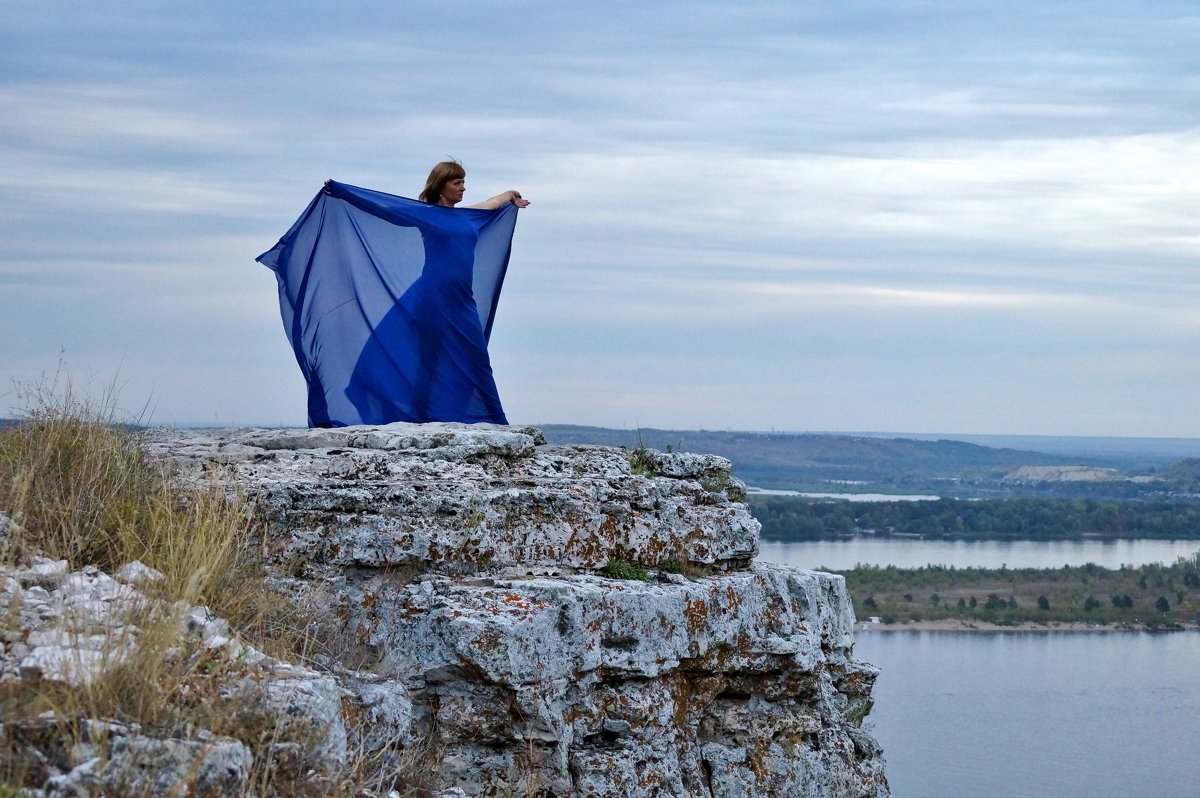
{"type": "Point", "coordinates": [446, 375]}
{"type": "Point", "coordinates": [388, 301]}
{"type": "Point", "coordinates": [447, 183]}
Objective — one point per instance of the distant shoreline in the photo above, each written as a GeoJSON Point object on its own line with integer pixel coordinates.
{"type": "Point", "coordinates": [962, 625]}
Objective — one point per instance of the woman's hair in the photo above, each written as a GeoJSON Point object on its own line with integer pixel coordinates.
{"type": "Point", "coordinates": [439, 176]}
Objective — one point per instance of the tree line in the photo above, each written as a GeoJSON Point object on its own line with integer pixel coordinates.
{"type": "Point", "coordinates": [799, 518]}
{"type": "Point", "coordinates": [1149, 595]}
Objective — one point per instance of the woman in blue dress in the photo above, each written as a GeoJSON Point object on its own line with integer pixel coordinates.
{"type": "Point", "coordinates": [388, 301]}
{"type": "Point", "coordinates": [427, 359]}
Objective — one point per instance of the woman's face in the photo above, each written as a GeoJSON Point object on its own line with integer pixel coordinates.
{"type": "Point", "coordinates": [452, 192]}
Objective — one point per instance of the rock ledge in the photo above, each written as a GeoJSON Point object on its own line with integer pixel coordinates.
{"type": "Point", "coordinates": [453, 572]}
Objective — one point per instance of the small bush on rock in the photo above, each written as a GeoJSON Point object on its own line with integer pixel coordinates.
{"type": "Point", "coordinates": [620, 569]}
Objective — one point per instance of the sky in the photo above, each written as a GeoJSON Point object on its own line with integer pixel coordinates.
{"type": "Point", "coordinates": [903, 215]}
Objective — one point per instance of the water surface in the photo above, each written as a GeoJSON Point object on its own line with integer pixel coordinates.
{"type": "Point", "coordinates": [1051, 715]}
{"type": "Point", "coordinates": [844, 554]}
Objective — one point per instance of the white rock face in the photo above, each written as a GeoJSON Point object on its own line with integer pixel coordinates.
{"type": "Point", "coordinates": [1064, 474]}
{"type": "Point", "coordinates": [454, 577]}
{"type": "Point", "coordinates": [462, 500]}
{"type": "Point", "coordinates": [454, 571]}
{"type": "Point", "coordinates": [65, 627]}
{"type": "Point", "coordinates": [74, 628]}
{"type": "Point", "coordinates": [138, 574]}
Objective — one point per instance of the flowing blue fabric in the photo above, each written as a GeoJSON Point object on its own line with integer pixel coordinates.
{"type": "Point", "coordinates": [388, 303]}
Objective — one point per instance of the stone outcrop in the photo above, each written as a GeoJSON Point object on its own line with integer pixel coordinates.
{"type": "Point", "coordinates": [75, 628]}
{"type": "Point", "coordinates": [468, 501]}
{"type": "Point", "coordinates": [465, 581]}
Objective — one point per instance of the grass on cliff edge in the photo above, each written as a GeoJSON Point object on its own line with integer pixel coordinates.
{"type": "Point", "coordinates": [79, 487]}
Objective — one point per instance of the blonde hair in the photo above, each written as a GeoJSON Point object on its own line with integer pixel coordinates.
{"type": "Point", "coordinates": [439, 176]}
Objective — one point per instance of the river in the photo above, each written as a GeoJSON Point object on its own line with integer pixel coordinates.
{"type": "Point", "coordinates": [1026, 714]}
{"type": "Point", "coordinates": [1046, 714]}
{"type": "Point", "coordinates": [844, 554]}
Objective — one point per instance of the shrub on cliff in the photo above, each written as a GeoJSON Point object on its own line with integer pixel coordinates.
{"type": "Point", "coordinates": [622, 569]}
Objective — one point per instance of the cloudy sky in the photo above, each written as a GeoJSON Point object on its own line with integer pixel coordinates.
{"type": "Point", "coordinates": [891, 215]}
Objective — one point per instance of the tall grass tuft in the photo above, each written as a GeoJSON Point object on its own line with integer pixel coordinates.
{"type": "Point", "coordinates": [78, 486]}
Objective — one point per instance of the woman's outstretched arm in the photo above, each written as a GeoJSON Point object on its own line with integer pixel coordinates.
{"type": "Point", "coordinates": [500, 200]}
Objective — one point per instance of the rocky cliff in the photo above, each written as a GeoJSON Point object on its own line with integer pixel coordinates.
{"type": "Point", "coordinates": [528, 619]}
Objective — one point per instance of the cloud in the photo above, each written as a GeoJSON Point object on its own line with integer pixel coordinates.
{"type": "Point", "coordinates": [98, 119]}
{"type": "Point", "coordinates": [743, 214]}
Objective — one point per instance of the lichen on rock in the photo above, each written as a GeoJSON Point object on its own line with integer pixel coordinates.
{"type": "Point", "coordinates": [454, 576]}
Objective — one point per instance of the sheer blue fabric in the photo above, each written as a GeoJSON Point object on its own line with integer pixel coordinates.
{"type": "Point", "coordinates": [388, 303]}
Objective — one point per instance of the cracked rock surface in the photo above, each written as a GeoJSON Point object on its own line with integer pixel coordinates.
{"type": "Point", "coordinates": [455, 573]}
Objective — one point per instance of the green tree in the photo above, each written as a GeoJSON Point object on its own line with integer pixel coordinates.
{"type": "Point", "coordinates": [1162, 605]}
{"type": "Point", "coordinates": [1043, 603]}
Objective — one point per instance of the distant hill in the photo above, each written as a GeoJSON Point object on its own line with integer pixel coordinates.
{"type": "Point", "coordinates": [804, 461]}
{"type": "Point", "coordinates": [1184, 475]}
{"type": "Point", "coordinates": [1119, 452]}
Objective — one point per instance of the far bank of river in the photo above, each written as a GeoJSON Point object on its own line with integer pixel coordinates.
{"type": "Point", "coordinates": [970, 626]}
{"type": "Point", "coordinates": [1010, 586]}
{"type": "Point", "coordinates": [844, 554]}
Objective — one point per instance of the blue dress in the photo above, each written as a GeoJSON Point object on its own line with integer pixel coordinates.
{"type": "Point", "coordinates": [388, 304]}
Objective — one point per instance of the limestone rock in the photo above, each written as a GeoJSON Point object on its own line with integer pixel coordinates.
{"type": "Point", "coordinates": [386, 714]}
{"type": "Point", "coordinates": [44, 573]}
{"type": "Point", "coordinates": [470, 644]}
{"type": "Point", "coordinates": [139, 575]}
{"type": "Point", "coordinates": [147, 766]}
{"type": "Point", "coordinates": [455, 567]}
{"type": "Point", "coordinates": [72, 632]}
{"type": "Point", "coordinates": [595, 687]}
{"type": "Point", "coordinates": [305, 708]}
{"type": "Point", "coordinates": [466, 500]}
{"type": "Point", "coordinates": [88, 625]}
{"type": "Point", "coordinates": [8, 528]}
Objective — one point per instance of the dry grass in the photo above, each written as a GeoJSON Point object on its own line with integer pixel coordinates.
{"type": "Point", "coordinates": [77, 483]}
